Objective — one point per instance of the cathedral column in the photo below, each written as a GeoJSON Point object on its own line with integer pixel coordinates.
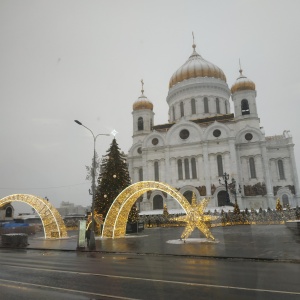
{"type": "Point", "coordinates": [200, 169]}
{"type": "Point", "coordinates": [239, 167]}
{"type": "Point", "coordinates": [173, 172]}
{"type": "Point", "coordinates": [206, 169]}
{"type": "Point", "coordinates": [233, 161]}
{"type": "Point", "coordinates": [227, 163]}
{"type": "Point", "coordinates": [135, 175]}
{"type": "Point", "coordinates": [150, 170]}
{"type": "Point", "coordinates": [145, 167]}
{"type": "Point", "coordinates": [294, 170]}
{"type": "Point", "coordinates": [130, 169]}
{"type": "Point", "coordinates": [267, 175]}
{"type": "Point", "coordinates": [167, 165]}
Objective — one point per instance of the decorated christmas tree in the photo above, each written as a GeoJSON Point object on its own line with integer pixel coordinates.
{"type": "Point", "coordinates": [133, 216]}
{"type": "Point", "coordinates": [165, 212]}
{"type": "Point", "coordinates": [236, 209]}
{"type": "Point", "coordinates": [113, 179]}
{"type": "Point", "coordinates": [278, 205]}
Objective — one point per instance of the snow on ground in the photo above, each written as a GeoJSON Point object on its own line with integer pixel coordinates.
{"type": "Point", "coordinates": [192, 241]}
{"type": "Point", "coordinates": [182, 211]}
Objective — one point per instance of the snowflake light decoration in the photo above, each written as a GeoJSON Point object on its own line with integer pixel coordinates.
{"type": "Point", "coordinates": [195, 218]}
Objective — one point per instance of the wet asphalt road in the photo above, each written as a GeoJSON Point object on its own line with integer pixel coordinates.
{"type": "Point", "coordinates": [246, 262]}
{"type": "Point", "coordinates": [43, 274]}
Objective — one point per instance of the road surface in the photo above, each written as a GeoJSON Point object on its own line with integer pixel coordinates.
{"type": "Point", "coordinates": [40, 274]}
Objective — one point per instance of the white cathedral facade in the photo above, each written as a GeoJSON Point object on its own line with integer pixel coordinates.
{"type": "Point", "coordinates": [205, 146]}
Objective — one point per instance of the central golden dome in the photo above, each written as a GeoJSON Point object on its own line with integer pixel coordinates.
{"type": "Point", "coordinates": [194, 67]}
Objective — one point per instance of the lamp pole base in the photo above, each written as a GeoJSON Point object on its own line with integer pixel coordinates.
{"type": "Point", "coordinates": [92, 243]}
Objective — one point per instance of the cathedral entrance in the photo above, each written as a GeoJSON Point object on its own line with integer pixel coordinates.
{"type": "Point", "coordinates": [188, 195]}
{"type": "Point", "coordinates": [285, 200]}
{"type": "Point", "coordinates": [222, 195]}
{"type": "Point", "coordinates": [158, 202]}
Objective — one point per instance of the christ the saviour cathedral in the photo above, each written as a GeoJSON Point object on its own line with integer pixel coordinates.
{"type": "Point", "coordinates": [209, 150]}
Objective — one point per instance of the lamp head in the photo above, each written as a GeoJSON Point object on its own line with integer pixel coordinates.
{"type": "Point", "coordinates": [76, 121]}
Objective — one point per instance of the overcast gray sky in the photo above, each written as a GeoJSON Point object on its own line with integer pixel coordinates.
{"type": "Point", "coordinates": [69, 59]}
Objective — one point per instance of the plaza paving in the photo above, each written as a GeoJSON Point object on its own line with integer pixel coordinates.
{"type": "Point", "coordinates": [244, 241]}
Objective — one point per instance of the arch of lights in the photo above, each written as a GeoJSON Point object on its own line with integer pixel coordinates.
{"type": "Point", "coordinates": [116, 219]}
{"type": "Point", "coordinates": [53, 224]}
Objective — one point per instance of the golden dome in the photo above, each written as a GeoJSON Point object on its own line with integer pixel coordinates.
{"type": "Point", "coordinates": [242, 84]}
{"type": "Point", "coordinates": [142, 103]}
{"type": "Point", "coordinates": [194, 67]}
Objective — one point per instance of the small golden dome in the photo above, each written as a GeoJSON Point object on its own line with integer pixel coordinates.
{"type": "Point", "coordinates": [242, 84]}
{"type": "Point", "coordinates": [194, 67]}
{"type": "Point", "coordinates": [142, 103]}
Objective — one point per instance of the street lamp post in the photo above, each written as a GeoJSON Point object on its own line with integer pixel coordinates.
{"type": "Point", "coordinates": [233, 190]}
{"type": "Point", "coordinates": [225, 178]}
{"type": "Point", "coordinates": [92, 243]}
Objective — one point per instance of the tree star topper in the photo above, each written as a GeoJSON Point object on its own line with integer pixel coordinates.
{"type": "Point", "coordinates": [114, 132]}
{"type": "Point", "coordinates": [195, 218]}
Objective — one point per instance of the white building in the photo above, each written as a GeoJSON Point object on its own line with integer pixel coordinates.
{"type": "Point", "coordinates": [203, 140]}
{"type": "Point", "coordinates": [66, 208]}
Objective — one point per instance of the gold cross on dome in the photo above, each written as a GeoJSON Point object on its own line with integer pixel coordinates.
{"type": "Point", "coordinates": [142, 81]}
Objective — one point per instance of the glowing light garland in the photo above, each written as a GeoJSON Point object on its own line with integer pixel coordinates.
{"type": "Point", "coordinates": [116, 219]}
{"type": "Point", "coordinates": [53, 224]}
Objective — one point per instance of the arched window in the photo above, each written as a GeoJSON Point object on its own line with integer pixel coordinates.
{"type": "Point", "coordinates": [140, 174]}
{"type": "Point", "coordinates": [140, 123]}
{"type": "Point", "coordinates": [281, 169]}
{"type": "Point", "coordinates": [158, 202]}
{"type": "Point", "coordinates": [226, 109]}
{"type": "Point", "coordinates": [220, 165]}
{"type": "Point", "coordinates": [252, 168]}
{"type": "Point", "coordinates": [181, 109]}
{"type": "Point", "coordinates": [285, 200]}
{"type": "Point", "coordinates": [8, 212]}
{"type": "Point", "coordinates": [151, 124]}
{"type": "Point", "coordinates": [194, 169]}
{"type": "Point", "coordinates": [173, 112]}
{"type": "Point", "coordinates": [193, 106]}
{"type": "Point", "coordinates": [179, 164]}
{"type": "Point", "coordinates": [156, 171]}
{"type": "Point", "coordinates": [245, 107]}
{"type": "Point", "coordinates": [206, 105]}
{"type": "Point", "coordinates": [218, 105]}
{"type": "Point", "coordinates": [186, 168]}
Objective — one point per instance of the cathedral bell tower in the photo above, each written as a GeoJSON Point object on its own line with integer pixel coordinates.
{"type": "Point", "coordinates": [244, 98]}
{"type": "Point", "coordinates": [143, 117]}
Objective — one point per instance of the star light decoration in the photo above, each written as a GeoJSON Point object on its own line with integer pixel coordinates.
{"type": "Point", "coordinates": [195, 218]}
{"type": "Point", "coordinates": [114, 132]}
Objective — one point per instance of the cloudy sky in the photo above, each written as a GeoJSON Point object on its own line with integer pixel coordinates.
{"type": "Point", "coordinates": [69, 59]}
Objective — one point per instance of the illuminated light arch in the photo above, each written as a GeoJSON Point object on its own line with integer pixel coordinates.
{"type": "Point", "coordinates": [116, 219]}
{"type": "Point", "coordinates": [53, 224]}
